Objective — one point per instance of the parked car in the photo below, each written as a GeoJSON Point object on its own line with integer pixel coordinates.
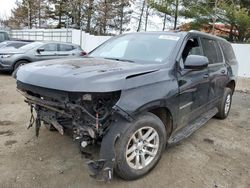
{"type": "Point", "coordinates": [12, 44]}
{"type": "Point", "coordinates": [134, 94]}
{"type": "Point", "coordinates": [11, 59]}
{"type": "Point", "coordinates": [4, 36]}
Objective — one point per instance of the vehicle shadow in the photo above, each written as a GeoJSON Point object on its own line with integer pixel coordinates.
{"type": "Point", "coordinates": [5, 73]}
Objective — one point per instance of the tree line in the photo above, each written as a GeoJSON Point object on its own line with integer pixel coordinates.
{"type": "Point", "coordinates": [228, 18]}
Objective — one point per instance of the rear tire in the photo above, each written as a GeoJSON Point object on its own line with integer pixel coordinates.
{"type": "Point", "coordinates": [139, 149]}
{"type": "Point", "coordinates": [225, 104]}
{"type": "Point", "coordinates": [20, 63]}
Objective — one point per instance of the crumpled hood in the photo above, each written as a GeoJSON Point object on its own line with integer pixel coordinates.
{"type": "Point", "coordinates": [85, 74]}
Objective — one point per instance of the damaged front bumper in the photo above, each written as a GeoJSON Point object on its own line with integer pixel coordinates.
{"type": "Point", "coordinates": [109, 130]}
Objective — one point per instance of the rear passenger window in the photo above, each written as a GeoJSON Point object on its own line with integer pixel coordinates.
{"type": "Point", "coordinates": [212, 51]}
{"type": "Point", "coordinates": [228, 51]}
{"type": "Point", "coordinates": [50, 47]}
{"type": "Point", "coordinates": [65, 47]}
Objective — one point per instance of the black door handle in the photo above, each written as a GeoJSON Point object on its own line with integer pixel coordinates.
{"type": "Point", "coordinates": [223, 72]}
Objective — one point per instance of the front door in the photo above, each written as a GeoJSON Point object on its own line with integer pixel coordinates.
{"type": "Point", "coordinates": [193, 85]}
{"type": "Point", "coordinates": [50, 51]}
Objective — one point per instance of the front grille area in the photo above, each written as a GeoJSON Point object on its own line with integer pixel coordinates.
{"type": "Point", "coordinates": [51, 94]}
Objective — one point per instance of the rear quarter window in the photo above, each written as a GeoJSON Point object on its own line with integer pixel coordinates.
{"type": "Point", "coordinates": [228, 51]}
{"type": "Point", "coordinates": [212, 50]}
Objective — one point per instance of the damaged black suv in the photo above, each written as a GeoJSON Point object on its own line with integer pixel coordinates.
{"type": "Point", "coordinates": [134, 95]}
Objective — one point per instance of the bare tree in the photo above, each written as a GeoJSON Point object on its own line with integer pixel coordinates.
{"type": "Point", "coordinates": [122, 15]}
{"type": "Point", "coordinates": [141, 15]}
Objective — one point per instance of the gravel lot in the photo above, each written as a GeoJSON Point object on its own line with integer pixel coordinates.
{"type": "Point", "coordinates": [217, 155]}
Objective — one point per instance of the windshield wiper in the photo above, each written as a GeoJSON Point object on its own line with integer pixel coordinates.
{"type": "Point", "coordinates": [118, 59]}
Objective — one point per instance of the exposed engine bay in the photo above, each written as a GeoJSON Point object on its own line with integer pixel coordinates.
{"type": "Point", "coordinates": [88, 115]}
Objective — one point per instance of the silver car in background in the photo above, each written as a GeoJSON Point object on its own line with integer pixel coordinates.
{"type": "Point", "coordinates": [11, 59]}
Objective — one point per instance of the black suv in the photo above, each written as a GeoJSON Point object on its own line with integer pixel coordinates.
{"type": "Point", "coordinates": [133, 95]}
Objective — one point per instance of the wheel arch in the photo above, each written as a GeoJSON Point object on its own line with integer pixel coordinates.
{"type": "Point", "coordinates": [166, 117]}
{"type": "Point", "coordinates": [162, 111]}
{"type": "Point", "coordinates": [23, 59]}
{"type": "Point", "coordinates": [231, 85]}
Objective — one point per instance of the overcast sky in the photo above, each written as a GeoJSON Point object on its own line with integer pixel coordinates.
{"type": "Point", "coordinates": [6, 6]}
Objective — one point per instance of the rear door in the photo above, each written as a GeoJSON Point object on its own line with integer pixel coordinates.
{"type": "Point", "coordinates": [217, 69]}
{"type": "Point", "coordinates": [193, 85]}
{"type": "Point", "coordinates": [66, 50]}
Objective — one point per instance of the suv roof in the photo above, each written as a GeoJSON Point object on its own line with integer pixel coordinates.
{"type": "Point", "coordinates": [207, 35]}
{"type": "Point", "coordinates": [182, 33]}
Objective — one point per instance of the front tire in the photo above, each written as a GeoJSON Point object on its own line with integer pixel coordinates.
{"type": "Point", "coordinates": [139, 149]}
{"type": "Point", "coordinates": [225, 104]}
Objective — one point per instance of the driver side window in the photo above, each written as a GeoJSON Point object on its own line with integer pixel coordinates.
{"type": "Point", "coordinates": [192, 47]}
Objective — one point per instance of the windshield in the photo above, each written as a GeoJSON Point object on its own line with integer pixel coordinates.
{"type": "Point", "coordinates": [30, 46]}
{"type": "Point", "coordinates": [141, 48]}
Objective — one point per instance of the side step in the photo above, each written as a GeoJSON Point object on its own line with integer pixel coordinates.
{"type": "Point", "coordinates": [190, 128]}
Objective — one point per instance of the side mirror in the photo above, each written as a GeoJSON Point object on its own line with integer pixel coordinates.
{"type": "Point", "coordinates": [196, 62]}
{"type": "Point", "coordinates": [83, 53]}
{"type": "Point", "coordinates": [39, 50]}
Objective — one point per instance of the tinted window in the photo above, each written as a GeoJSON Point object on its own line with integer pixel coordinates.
{"type": "Point", "coordinates": [50, 47]}
{"type": "Point", "coordinates": [228, 51]}
{"type": "Point", "coordinates": [212, 51]}
{"type": "Point", "coordinates": [65, 47]}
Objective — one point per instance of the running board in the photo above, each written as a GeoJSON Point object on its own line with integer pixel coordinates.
{"type": "Point", "coordinates": [190, 128]}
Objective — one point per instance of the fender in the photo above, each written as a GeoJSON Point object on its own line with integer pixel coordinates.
{"type": "Point", "coordinates": [102, 169]}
